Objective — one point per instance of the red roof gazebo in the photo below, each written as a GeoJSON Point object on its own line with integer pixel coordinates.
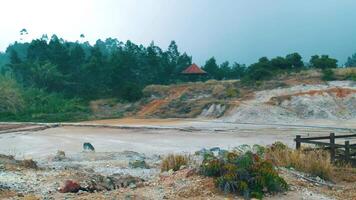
{"type": "Point", "coordinates": [194, 69]}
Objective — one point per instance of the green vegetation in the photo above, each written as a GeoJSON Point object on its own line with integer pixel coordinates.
{"type": "Point", "coordinates": [26, 104]}
{"type": "Point", "coordinates": [245, 174]}
{"type": "Point", "coordinates": [328, 75]}
{"type": "Point", "coordinates": [67, 75]}
{"type": "Point", "coordinates": [351, 61]}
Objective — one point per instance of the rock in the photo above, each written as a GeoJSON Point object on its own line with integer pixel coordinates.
{"type": "Point", "coordinates": [215, 149]}
{"type": "Point", "coordinates": [20, 194]}
{"type": "Point", "coordinates": [29, 164]}
{"type": "Point", "coordinates": [59, 156]}
{"type": "Point", "coordinates": [132, 186]}
{"type": "Point", "coordinates": [138, 164]}
{"type": "Point", "coordinates": [88, 147]}
{"type": "Point", "coordinates": [190, 172]}
{"type": "Point", "coordinates": [70, 187]}
{"type": "Point", "coordinates": [182, 167]}
{"type": "Point", "coordinates": [171, 172]}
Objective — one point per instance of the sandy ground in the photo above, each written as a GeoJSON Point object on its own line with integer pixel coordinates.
{"type": "Point", "coordinates": [146, 136]}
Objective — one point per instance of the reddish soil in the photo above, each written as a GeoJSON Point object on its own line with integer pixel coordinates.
{"type": "Point", "coordinates": [154, 105]}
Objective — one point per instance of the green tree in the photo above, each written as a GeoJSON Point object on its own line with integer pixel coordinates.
{"type": "Point", "coordinates": [295, 61]}
{"type": "Point", "coordinates": [11, 101]}
{"type": "Point", "coordinates": [212, 68]}
{"type": "Point", "coordinates": [323, 62]}
{"type": "Point", "coordinates": [351, 61]}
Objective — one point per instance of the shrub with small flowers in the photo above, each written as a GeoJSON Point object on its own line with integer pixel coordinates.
{"type": "Point", "coordinates": [245, 174]}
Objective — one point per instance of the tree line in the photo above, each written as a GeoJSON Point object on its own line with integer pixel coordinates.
{"type": "Point", "coordinates": [112, 68]}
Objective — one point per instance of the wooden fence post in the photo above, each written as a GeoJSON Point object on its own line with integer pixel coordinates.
{"type": "Point", "coordinates": [332, 147]}
{"type": "Point", "coordinates": [347, 151]}
{"type": "Point", "coordinates": [297, 142]}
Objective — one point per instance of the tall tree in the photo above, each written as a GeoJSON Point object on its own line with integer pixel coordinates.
{"type": "Point", "coordinates": [212, 68]}
{"type": "Point", "coordinates": [351, 61]}
{"type": "Point", "coordinates": [323, 62]}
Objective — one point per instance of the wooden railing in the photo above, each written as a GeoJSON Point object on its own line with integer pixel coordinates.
{"type": "Point", "coordinates": [338, 151]}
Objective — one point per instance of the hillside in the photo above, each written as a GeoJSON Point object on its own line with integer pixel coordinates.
{"type": "Point", "coordinates": [288, 98]}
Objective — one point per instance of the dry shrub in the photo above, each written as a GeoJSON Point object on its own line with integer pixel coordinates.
{"type": "Point", "coordinates": [30, 197]}
{"type": "Point", "coordinates": [345, 173]}
{"type": "Point", "coordinates": [29, 164]}
{"type": "Point", "coordinates": [156, 90]}
{"type": "Point", "coordinates": [174, 162]}
{"type": "Point", "coordinates": [315, 162]}
{"type": "Point", "coordinates": [219, 91]}
{"type": "Point", "coordinates": [344, 71]}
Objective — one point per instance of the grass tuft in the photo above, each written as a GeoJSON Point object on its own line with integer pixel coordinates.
{"type": "Point", "coordinates": [174, 162]}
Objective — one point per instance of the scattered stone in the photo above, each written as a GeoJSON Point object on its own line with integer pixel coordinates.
{"type": "Point", "coordinates": [20, 194]}
{"type": "Point", "coordinates": [88, 147]}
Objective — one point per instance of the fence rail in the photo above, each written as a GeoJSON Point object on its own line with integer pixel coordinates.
{"type": "Point", "coordinates": [337, 151]}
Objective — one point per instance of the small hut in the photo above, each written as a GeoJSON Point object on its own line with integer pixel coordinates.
{"type": "Point", "coordinates": [194, 70]}
{"type": "Point", "coordinates": [194, 73]}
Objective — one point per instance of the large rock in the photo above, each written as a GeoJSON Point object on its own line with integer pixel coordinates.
{"type": "Point", "coordinates": [70, 187]}
{"type": "Point", "coordinates": [88, 147]}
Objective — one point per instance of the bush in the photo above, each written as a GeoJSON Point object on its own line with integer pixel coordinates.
{"type": "Point", "coordinates": [232, 92]}
{"type": "Point", "coordinates": [218, 91]}
{"type": "Point", "coordinates": [244, 174]}
{"type": "Point", "coordinates": [351, 77]}
{"type": "Point", "coordinates": [131, 92]}
{"type": "Point", "coordinates": [38, 105]}
{"type": "Point", "coordinates": [11, 100]}
{"type": "Point", "coordinates": [174, 162]}
{"type": "Point", "coordinates": [328, 75]}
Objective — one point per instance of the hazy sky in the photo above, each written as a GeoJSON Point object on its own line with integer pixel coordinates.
{"type": "Point", "coordinates": [233, 30]}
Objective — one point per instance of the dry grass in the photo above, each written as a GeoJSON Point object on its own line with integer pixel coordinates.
{"type": "Point", "coordinates": [345, 71]}
{"type": "Point", "coordinates": [315, 162]}
{"type": "Point", "coordinates": [174, 162]}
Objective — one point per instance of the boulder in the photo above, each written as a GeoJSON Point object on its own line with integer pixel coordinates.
{"type": "Point", "coordinates": [59, 156]}
{"type": "Point", "coordinates": [70, 187]}
{"type": "Point", "coordinates": [88, 147]}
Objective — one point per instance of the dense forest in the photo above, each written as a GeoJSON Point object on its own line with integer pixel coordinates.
{"type": "Point", "coordinates": [55, 76]}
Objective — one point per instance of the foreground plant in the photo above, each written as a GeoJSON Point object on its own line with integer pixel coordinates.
{"type": "Point", "coordinates": [174, 162]}
{"type": "Point", "coordinates": [315, 162]}
{"type": "Point", "coordinates": [244, 174]}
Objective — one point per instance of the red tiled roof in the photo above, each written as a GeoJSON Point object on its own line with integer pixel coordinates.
{"type": "Point", "coordinates": [193, 69]}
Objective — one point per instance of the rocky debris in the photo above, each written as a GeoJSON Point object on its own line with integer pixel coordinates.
{"type": "Point", "coordinates": [334, 100]}
{"type": "Point", "coordinates": [88, 147]}
{"type": "Point", "coordinates": [214, 110]}
{"type": "Point", "coordinates": [97, 183]}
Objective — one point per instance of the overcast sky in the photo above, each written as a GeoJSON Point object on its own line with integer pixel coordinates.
{"type": "Point", "coordinates": [233, 30]}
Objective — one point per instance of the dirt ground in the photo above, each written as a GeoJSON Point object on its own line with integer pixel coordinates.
{"type": "Point", "coordinates": [117, 141]}
{"type": "Point", "coordinates": [154, 136]}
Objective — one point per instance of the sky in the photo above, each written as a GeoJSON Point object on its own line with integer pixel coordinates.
{"type": "Point", "coordinates": [229, 30]}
